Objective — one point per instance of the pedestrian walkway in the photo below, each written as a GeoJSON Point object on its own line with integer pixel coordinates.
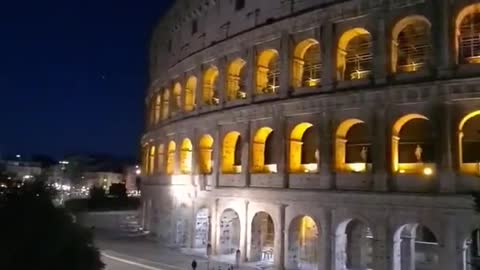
{"type": "Point", "coordinates": [145, 251]}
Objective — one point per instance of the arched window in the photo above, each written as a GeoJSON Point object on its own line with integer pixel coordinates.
{"type": "Point", "coordinates": [190, 89]}
{"type": "Point", "coordinates": [268, 72]}
{"type": "Point", "coordinates": [263, 160]}
{"type": "Point", "coordinates": [171, 158]}
{"type": "Point", "coordinates": [303, 149]}
{"type": "Point", "coordinates": [352, 146]}
{"type": "Point", "coordinates": [232, 153]}
{"type": "Point", "coordinates": [210, 93]}
{"type": "Point", "coordinates": [468, 34]}
{"type": "Point", "coordinates": [411, 44]}
{"type": "Point", "coordinates": [161, 158]}
{"type": "Point", "coordinates": [236, 80]}
{"type": "Point", "coordinates": [354, 55]}
{"type": "Point", "coordinates": [306, 64]}
{"type": "Point", "coordinates": [206, 150]}
{"type": "Point", "coordinates": [469, 144]}
{"type": "Point", "coordinates": [158, 108]}
{"type": "Point", "coordinates": [165, 104]}
{"type": "Point", "coordinates": [354, 240]}
{"type": "Point", "coordinates": [263, 238]}
{"type": "Point", "coordinates": [177, 98]}
{"type": "Point", "coordinates": [303, 244]}
{"type": "Point", "coordinates": [151, 160]}
{"type": "Point", "coordinates": [186, 157]}
{"type": "Point", "coordinates": [412, 145]}
{"type": "Point", "coordinates": [415, 247]}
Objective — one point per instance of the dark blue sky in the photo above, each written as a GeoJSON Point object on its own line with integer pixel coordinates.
{"type": "Point", "coordinates": [73, 75]}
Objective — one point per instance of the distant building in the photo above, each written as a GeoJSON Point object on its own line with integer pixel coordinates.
{"type": "Point", "coordinates": [23, 170]}
{"type": "Point", "coordinates": [132, 176]}
{"type": "Point", "coordinates": [102, 179]}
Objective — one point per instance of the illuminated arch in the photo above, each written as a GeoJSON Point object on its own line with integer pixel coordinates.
{"type": "Point", "coordinates": [469, 144]}
{"type": "Point", "coordinates": [300, 148]}
{"type": "Point", "coordinates": [205, 154]}
{"type": "Point", "coordinates": [186, 157]}
{"type": "Point", "coordinates": [411, 44]}
{"type": "Point", "coordinates": [303, 250]}
{"type": "Point", "coordinates": [261, 152]}
{"type": "Point", "coordinates": [306, 64]}
{"type": "Point", "coordinates": [355, 241]}
{"type": "Point", "coordinates": [209, 93]}
{"type": "Point", "coordinates": [262, 236]}
{"type": "Point", "coordinates": [267, 72]}
{"type": "Point", "coordinates": [410, 248]}
{"type": "Point", "coordinates": [158, 108]}
{"type": "Point", "coordinates": [177, 97]}
{"type": "Point", "coordinates": [353, 158]}
{"type": "Point", "coordinates": [354, 55]}
{"type": "Point", "coordinates": [467, 34]}
{"type": "Point", "coordinates": [235, 80]}
{"type": "Point", "coordinates": [151, 160]}
{"type": "Point", "coordinates": [145, 155]}
{"type": "Point", "coordinates": [161, 158]}
{"type": "Point", "coordinates": [165, 103]}
{"type": "Point", "coordinates": [170, 168]}
{"type": "Point", "coordinates": [415, 150]}
{"type": "Point", "coordinates": [190, 90]}
{"type": "Point", "coordinates": [231, 153]}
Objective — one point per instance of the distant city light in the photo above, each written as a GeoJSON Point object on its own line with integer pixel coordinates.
{"type": "Point", "coordinates": [64, 162]}
{"type": "Point", "coordinates": [18, 156]}
{"type": "Point", "coordinates": [138, 171]}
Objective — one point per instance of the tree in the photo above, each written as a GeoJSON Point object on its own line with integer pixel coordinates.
{"type": "Point", "coordinates": [37, 235]}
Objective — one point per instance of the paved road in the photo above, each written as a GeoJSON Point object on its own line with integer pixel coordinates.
{"type": "Point", "coordinates": [116, 264]}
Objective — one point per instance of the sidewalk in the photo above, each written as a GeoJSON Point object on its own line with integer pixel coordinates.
{"type": "Point", "coordinates": [147, 252]}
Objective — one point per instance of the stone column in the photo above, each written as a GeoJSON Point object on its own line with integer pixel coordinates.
{"type": "Point", "coordinates": [216, 156]}
{"type": "Point", "coordinates": [246, 155]}
{"type": "Point", "coordinates": [279, 241]}
{"type": "Point", "coordinates": [407, 253]}
{"type": "Point", "coordinates": [383, 239]}
{"type": "Point", "coordinates": [328, 47]}
{"type": "Point", "coordinates": [199, 90]}
{"type": "Point", "coordinates": [250, 80]}
{"type": "Point", "coordinates": [380, 149]}
{"type": "Point", "coordinates": [326, 150]}
{"type": "Point", "coordinates": [212, 226]}
{"type": "Point", "coordinates": [379, 48]}
{"type": "Point", "coordinates": [285, 64]}
{"type": "Point", "coordinates": [327, 243]}
{"type": "Point", "coordinates": [444, 149]}
{"type": "Point", "coordinates": [280, 144]}
{"type": "Point", "coordinates": [245, 235]}
{"type": "Point", "coordinates": [221, 84]}
{"type": "Point", "coordinates": [444, 53]}
{"type": "Point", "coordinates": [448, 253]}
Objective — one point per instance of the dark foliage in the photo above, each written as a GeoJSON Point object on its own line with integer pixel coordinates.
{"type": "Point", "coordinates": [118, 191]}
{"type": "Point", "coordinates": [37, 235]}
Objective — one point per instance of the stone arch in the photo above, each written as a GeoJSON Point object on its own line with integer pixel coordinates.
{"type": "Point", "coordinates": [262, 237]}
{"type": "Point", "coordinates": [170, 169]}
{"type": "Point", "coordinates": [236, 88]}
{"type": "Point", "coordinates": [412, 148]}
{"type": "Point", "coordinates": [202, 224]}
{"type": "Point", "coordinates": [303, 249]}
{"type": "Point", "coordinates": [352, 146]}
{"type": "Point", "coordinates": [161, 157]}
{"type": "Point", "coordinates": [268, 71]}
{"type": "Point", "coordinates": [303, 148]}
{"type": "Point", "coordinates": [353, 245]}
{"type": "Point", "coordinates": [469, 144]}
{"type": "Point", "coordinates": [411, 44]}
{"type": "Point", "coordinates": [205, 154]}
{"type": "Point", "coordinates": [186, 151]}
{"type": "Point", "coordinates": [158, 108]}
{"type": "Point", "coordinates": [306, 64]}
{"type": "Point", "coordinates": [232, 153]}
{"type": "Point", "coordinates": [165, 104]}
{"type": "Point", "coordinates": [471, 251]}
{"type": "Point", "coordinates": [229, 232]}
{"type": "Point", "coordinates": [151, 160]}
{"type": "Point", "coordinates": [415, 246]}
{"type": "Point", "coordinates": [177, 97]}
{"type": "Point", "coordinates": [209, 91]}
{"type": "Point", "coordinates": [467, 34]}
{"type": "Point", "coordinates": [262, 151]}
{"type": "Point", "coordinates": [354, 55]}
{"type": "Point", "coordinates": [190, 91]}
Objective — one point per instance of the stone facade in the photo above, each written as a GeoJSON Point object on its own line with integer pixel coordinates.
{"type": "Point", "coordinates": [402, 203]}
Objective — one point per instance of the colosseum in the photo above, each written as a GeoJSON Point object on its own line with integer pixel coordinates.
{"type": "Point", "coordinates": [316, 134]}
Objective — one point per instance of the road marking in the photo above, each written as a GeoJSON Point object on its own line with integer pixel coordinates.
{"type": "Point", "coordinates": [131, 262]}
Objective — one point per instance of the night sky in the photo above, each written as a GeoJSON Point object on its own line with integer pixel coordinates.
{"type": "Point", "coordinates": [73, 75]}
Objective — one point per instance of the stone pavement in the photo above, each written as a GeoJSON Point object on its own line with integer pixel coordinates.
{"type": "Point", "coordinates": [147, 252]}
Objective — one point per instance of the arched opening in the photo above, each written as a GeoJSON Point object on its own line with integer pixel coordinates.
{"type": "Point", "coordinates": [236, 88]}
{"type": "Point", "coordinates": [171, 158]}
{"type": "Point", "coordinates": [415, 247]}
{"type": "Point", "coordinates": [303, 239]}
{"type": "Point", "coordinates": [190, 90]}
{"type": "Point", "coordinates": [161, 158]}
{"type": "Point", "coordinates": [186, 157]}
{"type": "Point", "coordinates": [411, 44]}
{"type": "Point", "coordinates": [352, 146]}
{"type": "Point", "coordinates": [471, 251]}
{"type": "Point", "coordinates": [177, 98]}
{"type": "Point", "coordinates": [262, 154]}
{"type": "Point", "coordinates": [202, 223]}
{"type": "Point", "coordinates": [232, 153]}
{"type": "Point", "coordinates": [412, 145]}
{"type": "Point", "coordinates": [165, 104]}
{"type": "Point", "coordinates": [467, 34]}
{"type": "Point", "coordinates": [469, 144]}
{"type": "Point", "coordinates": [268, 72]}
{"type": "Point", "coordinates": [354, 55]}
{"type": "Point", "coordinates": [157, 108]}
{"type": "Point", "coordinates": [303, 149]}
{"type": "Point", "coordinates": [181, 226]}
{"type": "Point", "coordinates": [354, 246]}
{"type": "Point", "coordinates": [206, 150]}
{"type": "Point", "coordinates": [151, 160]}
{"type": "Point", "coordinates": [263, 237]}
{"type": "Point", "coordinates": [307, 64]}
{"type": "Point", "coordinates": [229, 232]}
{"type": "Point", "coordinates": [210, 93]}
